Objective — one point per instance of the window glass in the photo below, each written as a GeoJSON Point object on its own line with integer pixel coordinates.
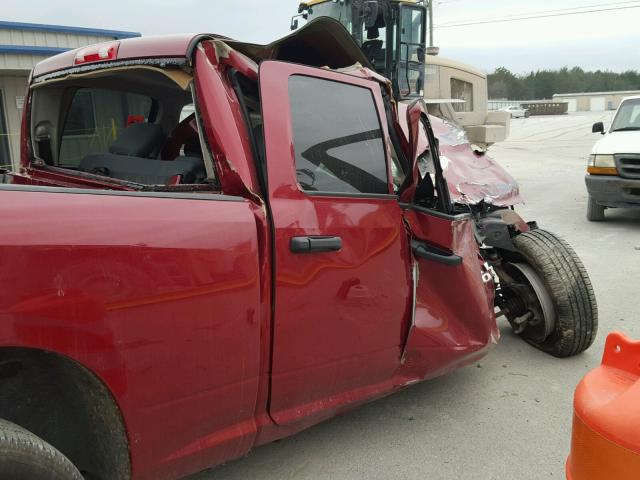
{"type": "Point", "coordinates": [375, 44]}
{"type": "Point", "coordinates": [461, 90]}
{"type": "Point", "coordinates": [81, 118]}
{"type": "Point", "coordinates": [95, 119]}
{"type": "Point", "coordinates": [628, 117]}
{"type": "Point", "coordinates": [397, 172]}
{"type": "Point", "coordinates": [5, 157]}
{"type": "Point", "coordinates": [339, 11]}
{"type": "Point", "coordinates": [411, 26]}
{"type": "Point", "coordinates": [187, 111]}
{"type": "Point", "coordinates": [411, 71]}
{"type": "Point", "coordinates": [337, 137]}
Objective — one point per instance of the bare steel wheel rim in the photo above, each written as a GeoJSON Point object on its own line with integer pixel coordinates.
{"type": "Point", "coordinates": [539, 320]}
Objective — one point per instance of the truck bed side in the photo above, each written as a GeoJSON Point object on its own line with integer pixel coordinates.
{"type": "Point", "coordinates": [158, 295]}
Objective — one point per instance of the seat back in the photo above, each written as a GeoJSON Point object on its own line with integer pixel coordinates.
{"type": "Point", "coordinates": [129, 159]}
{"type": "Point", "coordinates": [138, 140]}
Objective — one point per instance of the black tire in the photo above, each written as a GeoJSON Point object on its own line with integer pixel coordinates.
{"type": "Point", "coordinates": [568, 284]}
{"type": "Point", "coordinates": [24, 456]}
{"type": "Point", "coordinates": [595, 212]}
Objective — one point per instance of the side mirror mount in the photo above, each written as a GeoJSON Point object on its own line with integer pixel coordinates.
{"type": "Point", "coordinates": [598, 128]}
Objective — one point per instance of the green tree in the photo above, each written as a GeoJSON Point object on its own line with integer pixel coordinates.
{"type": "Point", "coordinates": [545, 83]}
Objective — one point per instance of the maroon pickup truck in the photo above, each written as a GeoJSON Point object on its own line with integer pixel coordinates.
{"type": "Point", "coordinates": [211, 245]}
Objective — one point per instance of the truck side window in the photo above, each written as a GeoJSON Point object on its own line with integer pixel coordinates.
{"type": "Point", "coordinates": [338, 139]}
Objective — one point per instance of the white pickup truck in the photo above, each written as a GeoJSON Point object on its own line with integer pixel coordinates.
{"type": "Point", "coordinates": [613, 173]}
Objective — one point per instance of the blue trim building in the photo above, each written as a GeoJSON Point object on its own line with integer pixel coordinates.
{"type": "Point", "coordinates": [39, 27]}
{"type": "Point", "coordinates": [22, 46]}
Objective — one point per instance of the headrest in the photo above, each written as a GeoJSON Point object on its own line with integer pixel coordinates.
{"type": "Point", "coordinates": [138, 140]}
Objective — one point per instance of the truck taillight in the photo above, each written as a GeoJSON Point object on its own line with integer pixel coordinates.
{"type": "Point", "coordinates": [97, 53]}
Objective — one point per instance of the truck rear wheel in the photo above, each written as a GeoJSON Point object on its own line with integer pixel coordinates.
{"type": "Point", "coordinates": [24, 456]}
{"type": "Point", "coordinates": [554, 294]}
{"type": "Point", "coordinates": [595, 212]}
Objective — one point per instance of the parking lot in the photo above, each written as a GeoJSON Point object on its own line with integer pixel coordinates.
{"type": "Point", "coordinates": [509, 416]}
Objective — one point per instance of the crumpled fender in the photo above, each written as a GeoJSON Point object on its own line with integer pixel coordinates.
{"type": "Point", "coordinates": [472, 177]}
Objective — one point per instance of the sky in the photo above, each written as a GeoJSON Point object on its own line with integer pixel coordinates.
{"type": "Point", "coordinates": [602, 40]}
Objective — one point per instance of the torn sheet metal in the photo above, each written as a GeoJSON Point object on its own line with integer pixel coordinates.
{"type": "Point", "coordinates": [473, 177]}
{"type": "Point", "coordinates": [445, 335]}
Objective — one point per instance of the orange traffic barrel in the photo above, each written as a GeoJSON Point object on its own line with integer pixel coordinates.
{"type": "Point", "coordinates": [606, 423]}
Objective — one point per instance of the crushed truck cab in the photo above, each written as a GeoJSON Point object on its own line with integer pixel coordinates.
{"type": "Point", "coordinates": [221, 281]}
{"type": "Point", "coordinates": [211, 245]}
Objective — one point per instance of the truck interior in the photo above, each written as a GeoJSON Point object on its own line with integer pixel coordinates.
{"type": "Point", "coordinates": [130, 124]}
{"type": "Point", "coordinates": [136, 126]}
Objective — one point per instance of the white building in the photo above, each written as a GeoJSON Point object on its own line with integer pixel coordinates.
{"type": "Point", "coordinates": [22, 45]}
{"type": "Point", "coordinates": [594, 101]}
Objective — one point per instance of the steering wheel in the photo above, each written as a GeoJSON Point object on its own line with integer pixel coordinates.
{"type": "Point", "coordinates": [185, 132]}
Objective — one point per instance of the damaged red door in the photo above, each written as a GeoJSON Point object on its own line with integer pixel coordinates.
{"type": "Point", "coordinates": [343, 291]}
{"type": "Point", "coordinates": [453, 319]}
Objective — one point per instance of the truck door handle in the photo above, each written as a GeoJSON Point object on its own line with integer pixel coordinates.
{"type": "Point", "coordinates": [428, 252]}
{"type": "Point", "coordinates": [316, 244]}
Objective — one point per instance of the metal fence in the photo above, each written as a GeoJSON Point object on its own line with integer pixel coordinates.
{"type": "Point", "coordinates": [546, 107]}
{"type": "Point", "coordinates": [500, 104]}
{"type": "Point", "coordinates": [535, 107]}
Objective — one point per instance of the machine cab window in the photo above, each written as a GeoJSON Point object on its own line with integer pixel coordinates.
{"type": "Point", "coordinates": [391, 34]}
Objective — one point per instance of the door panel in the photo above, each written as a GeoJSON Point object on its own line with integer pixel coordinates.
{"type": "Point", "coordinates": [454, 318]}
{"type": "Point", "coordinates": [340, 315]}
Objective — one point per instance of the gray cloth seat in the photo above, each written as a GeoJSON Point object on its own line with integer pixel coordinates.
{"type": "Point", "coordinates": [128, 159]}
{"type": "Point", "coordinates": [144, 170]}
{"type": "Point", "coordinates": [139, 140]}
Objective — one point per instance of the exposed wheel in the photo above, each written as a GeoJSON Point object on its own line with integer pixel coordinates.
{"type": "Point", "coordinates": [24, 456]}
{"type": "Point", "coordinates": [595, 212]}
{"type": "Point", "coordinates": [553, 293]}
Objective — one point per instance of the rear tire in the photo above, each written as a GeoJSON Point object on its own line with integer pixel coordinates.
{"type": "Point", "coordinates": [569, 287]}
{"type": "Point", "coordinates": [24, 456]}
{"type": "Point", "coordinates": [595, 212]}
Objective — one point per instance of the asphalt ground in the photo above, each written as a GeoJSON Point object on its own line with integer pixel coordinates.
{"type": "Point", "coordinates": [509, 416]}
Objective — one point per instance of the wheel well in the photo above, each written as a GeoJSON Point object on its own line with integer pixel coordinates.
{"type": "Point", "coordinates": [66, 405]}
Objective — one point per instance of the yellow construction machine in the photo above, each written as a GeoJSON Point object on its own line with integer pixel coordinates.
{"type": "Point", "coordinates": [391, 33]}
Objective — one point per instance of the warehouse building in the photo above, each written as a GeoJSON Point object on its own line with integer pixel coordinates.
{"type": "Point", "coordinates": [594, 101]}
{"type": "Point", "coordinates": [22, 45]}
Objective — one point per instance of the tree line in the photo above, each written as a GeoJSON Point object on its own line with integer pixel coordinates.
{"type": "Point", "coordinates": [543, 84]}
